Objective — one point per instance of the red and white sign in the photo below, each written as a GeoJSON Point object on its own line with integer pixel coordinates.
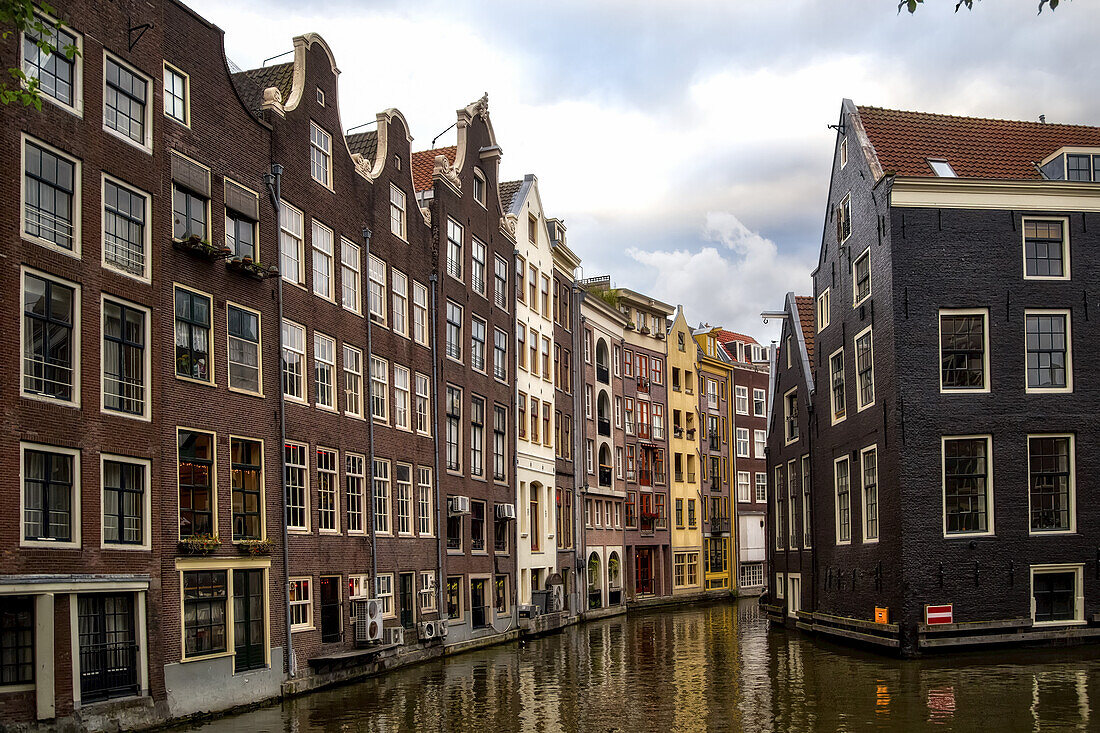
{"type": "Point", "coordinates": [939, 614]}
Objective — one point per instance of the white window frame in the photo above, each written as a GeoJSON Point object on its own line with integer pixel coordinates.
{"type": "Point", "coordinates": [984, 313]}
{"type": "Point", "coordinates": [146, 275]}
{"type": "Point", "coordinates": [175, 71]}
{"type": "Point", "coordinates": [381, 394]}
{"type": "Point", "coordinates": [76, 340]}
{"type": "Point", "coordinates": [402, 398]}
{"type": "Point", "coordinates": [330, 365]}
{"type": "Point", "coordinates": [864, 535]}
{"type": "Point", "coordinates": [146, 504]}
{"type": "Point", "coordinates": [1072, 485]}
{"type": "Point", "coordinates": [406, 516]}
{"type": "Point", "coordinates": [259, 351]}
{"type": "Point", "coordinates": [425, 510]}
{"type": "Point", "coordinates": [833, 417]}
{"type": "Point", "coordinates": [742, 437]}
{"type": "Point", "coordinates": [1065, 245]}
{"type": "Point", "coordinates": [420, 379]}
{"type": "Point", "coordinates": [741, 397]}
{"type": "Point", "coordinates": [856, 300]}
{"type": "Point", "coordinates": [77, 202]}
{"type": "Point", "coordinates": [757, 485]}
{"type": "Point", "coordinates": [764, 401]}
{"type": "Point", "coordinates": [787, 438]}
{"type": "Point", "coordinates": [335, 478]}
{"type": "Point", "coordinates": [836, 499]}
{"type": "Point", "coordinates": [384, 593]}
{"type": "Point", "coordinates": [376, 277]}
{"type": "Point", "coordinates": [381, 496]}
{"type": "Point", "coordinates": [760, 443]}
{"type": "Point", "coordinates": [302, 380]}
{"type": "Point", "coordinates": [320, 232]}
{"type": "Point", "coordinates": [843, 152]}
{"type": "Point", "coordinates": [147, 368]}
{"type": "Point", "coordinates": [399, 297]}
{"type": "Point", "coordinates": [287, 214]}
{"type": "Point", "coordinates": [77, 107]}
{"type": "Point", "coordinates": [365, 497]}
{"type": "Point", "coordinates": [1079, 593]}
{"type": "Point", "coordinates": [351, 273]}
{"type": "Point", "coordinates": [398, 211]}
{"type": "Point", "coordinates": [824, 314]}
{"type": "Point", "coordinates": [479, 177]}
{"type": "Point", "coordinates": [75, 497]}
{"type": "Point", "coordinates": [419, 321]}
{"type": "Point", "coordinates": [147, 144]}
{"type": "Point", "coordinates": [1069, 349]}
{"type": "Point", "coordinates": [860, 407]}
{"type": "Point", "coordinates": [307, 604]}
{"type": "Point", "coordinates": [304, 466]}
{"type": "Point", "coordinates": [324, 151]}
{"type": "Point", "coordinates": [355, 376]}
{"type": "Point", "coordinates": [743, 481]}
{"type": "Point", "coordinates": [989, 498]}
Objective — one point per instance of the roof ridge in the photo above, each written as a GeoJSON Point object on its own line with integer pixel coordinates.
{"type": "Point", "coordinates": [941, 115]}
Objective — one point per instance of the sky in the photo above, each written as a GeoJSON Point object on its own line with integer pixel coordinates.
{"type": "Point", "coordinates": [684, 143]}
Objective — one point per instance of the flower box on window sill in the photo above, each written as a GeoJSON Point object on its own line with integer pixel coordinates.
{"type": "Point", "coordinates": [253, 548]}
{"type": "Point", "coordinates": [201, 248]}
{"type": "Point", "coordinates": [247, 266]}
{"type": "Point", "coordinates": [200, 544]}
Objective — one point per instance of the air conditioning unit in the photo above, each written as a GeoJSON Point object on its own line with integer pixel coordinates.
{"type": "Point", "coordinates": [395, 635]}
{"type": "Point", "coordinates": [368, 620]}
{"type": "Point", "coordinates": [428, 630]}
{"type": "Point", "coordinates": [528, 611]}
{"type": "Point", "coordinates": [506, 511]}
{"type": "Point", "coordinates": [459, 504]}
{"type": "Point", "coordinates": [441, 629]}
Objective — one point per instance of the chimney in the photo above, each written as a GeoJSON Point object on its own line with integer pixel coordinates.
{"type": "Point", "coordinates": [1042, 119]}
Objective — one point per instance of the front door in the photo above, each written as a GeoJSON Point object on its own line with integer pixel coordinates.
{"type": "Point", "coordinates": [108, 646]}
{"type": "Point", "coordinates": [478, 613]}
{"type": "Point", "coordinates": [405, 590]}
{"type": "Point", "coordinates": [248, 620]}
{"type": "Point", "coordinates": [643, 566]}
{"type": "Point", "coordinates": [330, 609]}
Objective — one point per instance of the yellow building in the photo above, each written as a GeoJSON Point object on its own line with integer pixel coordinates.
{"type": "Point", "coordinates": [687, 499]}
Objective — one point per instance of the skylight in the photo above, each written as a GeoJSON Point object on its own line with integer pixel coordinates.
{"type": "Point", "coordinates": [942, 168]}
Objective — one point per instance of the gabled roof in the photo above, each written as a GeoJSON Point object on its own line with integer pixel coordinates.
{"type": "Point", "coordinates": [805, 304]}
{"type": "Point", "coordinates": [724, 337]}
{"type": "Point", "coordinates": [423, 164]}
{"type": "Point", "coordinates": [252, 83]}
{"type": "Point", "coordinates": [364, 143]}
{"type": "Point", "coordinates": [975, 147]}
{"type": "Point", "coordinates": [508, 191]}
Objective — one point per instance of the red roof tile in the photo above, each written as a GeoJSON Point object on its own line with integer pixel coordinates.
{"type": "Point", "coordinates": [724, 337]}
{"type": "Point", "coordinates": [423, 163]}
{"type": "Point", "coordinates": [805, 305]}
{"type": "Point", "coordinates": [975, 147]}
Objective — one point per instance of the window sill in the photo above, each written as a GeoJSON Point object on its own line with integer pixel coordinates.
{"type": "Point", "coordinates": [298, 629]}
{"type": "Point", "coordinates": [206, 383]}
{"type": "Point", "coordinates": [52, 400]}
{"type": "Point", "coordinates": [25, 687]}
{"type": "Point", "coordinates": [248, 392]}
{"type": "Point", "coordinates": [143, 147]}
{"type": "Point", "coordinates": [205, 657]}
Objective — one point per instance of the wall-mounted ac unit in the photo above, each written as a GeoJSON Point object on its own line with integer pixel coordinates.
{"type": "Point", "coordinates": [368, 620]}
{"type": "Point", "coordinates": [395, 635]}
{"type": "Point", "coordinates": [506, 511]}
{"type": "Point", "coordinates": [426, 630]}
{"type": "Point", "coordinates": [458, 504]}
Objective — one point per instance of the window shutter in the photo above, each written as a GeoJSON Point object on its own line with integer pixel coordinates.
{"type": "Point", "coordinates": [241, 200]}
{"type": "Point", "coordinates": [191, 176]}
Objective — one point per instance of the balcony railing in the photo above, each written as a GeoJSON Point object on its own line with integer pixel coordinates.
{"type": "Point", "coordinates": [629, 426]}
{"type": "Point", "coordinates": [642, 430]}
{"type": "Point", "coordinates": [715, 443]}
{"type": "Point", "coordinates": [643, 384]}
{"type": "Point", "coordinates": [677, 431]}
{"type": "Point", "coordinates": [719, 525]}
{"type": "Point", "coordinates": [605, 475]}
{"type": "Point", "coordinates": [602, 373]}
{"type": "Point", "coordinates": [454, 268]}
{"type": "Point", "coordinates": [500, 372]}
{"type": "Point", "coordinates": [691, 477]}
{"type": "Point", "coordinates": [680, 476]}
{"type": "Point", "coordinates": [631, 475]}
{"type": "Point", "coordinates": [454, 350]}
{"type": "Point", "coordinates": [499, 298]}
{"type": "Point", "coordinates": [477, 361]}
{"type": "Point", "coordinates": [454, 543]}
{"type": "Point", "coordinates": [603, 426]}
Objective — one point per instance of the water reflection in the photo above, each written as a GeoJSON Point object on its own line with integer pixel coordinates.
{"type": "Point", "coordinates": [714, 668]}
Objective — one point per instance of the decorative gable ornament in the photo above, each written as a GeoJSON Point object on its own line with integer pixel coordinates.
{"type": "Point", "coordinates": [444, 169]}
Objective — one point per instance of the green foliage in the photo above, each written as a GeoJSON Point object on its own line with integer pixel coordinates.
{"type": "Point", "coordinates": [609, 296]}
{"type": "Point", "coordinates": [912, 5]}
{"type": "Point", "coordinates": [20, 16]}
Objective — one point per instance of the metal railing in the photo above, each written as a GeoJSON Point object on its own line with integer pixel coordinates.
{"type": "Point", "coordinates": [454, 350]}
{"type": "Point", "coordinates": [603, 374]}
{"type": "Point", "coordinates": [603, 426]}
{"type": "Point", "coordinates": [719, 525]}
{"type": "Point", "coordinates": [500, 371]}
{"type": "Point", "coordinates": [454, 268]}
{"type": "Point", "coordinates": [605, 475]}
{"type": "Point", "coordinates": [108, 670]}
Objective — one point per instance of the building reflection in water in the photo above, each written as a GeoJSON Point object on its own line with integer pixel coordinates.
{"type": "Point", "coordinates": [711, 668]}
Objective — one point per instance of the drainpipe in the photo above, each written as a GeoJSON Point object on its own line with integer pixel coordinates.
{"type": "Point", "coordinates": [274, 181]}
{"type": "Point", "coordinates": [366, 232]}
{"type": "Point", "coordinates": [439, 525]}
{"type": "Point", "coordinates": [579, 469]}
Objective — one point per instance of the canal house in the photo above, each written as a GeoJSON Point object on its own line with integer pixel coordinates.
{"type": "Point", "coordinates": [952, 419]}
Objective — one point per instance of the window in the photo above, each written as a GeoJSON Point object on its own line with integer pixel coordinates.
{"type": "Point", "coordinates": [205, 596]}
{"type": "Point", "coordinates": [385, 595]}
{"type": "Point", "coordinates": [686, 569]}
{"type": "Point", "coordinates": [454, 331]}
{"type": "Point", "coordinates": [427, 590]}
{"type": "Point", "coordinates": [193, 335]}
{"type": "Point", "coordinates": [500, 355]}
{"type": "Point", "coordinates": [869, 459]}
{"type": "Point", "coordinates": [124, 501]}
{"type": "Point", "coordinates": [861, 278]}
{"type": "Point", "coordinates": [535, 517]}
{"type": "Point", "coordinates": [742, 442]}
{"type": "Point", "coordinates": [320, 155]}
{"type": "Point", "coordinates": [381, 496]}
{"type": "Point", "coordinates": [792, 505]}
{"type": "Point", "coordinates": [379, 389]}
{"type": "Point", "coordinates": [240, 236]}
{"type": "Point", "coordinates": [402, 489]}
{"type": "Point", "coordinates": [521, 269]}
{"type": "Point", "coordinates": [454, 417]}
{"type": "Point", "coordinates": [297, 486]}
{"type": "Point", "coordinates": [844, 218]}
{"type": "Point", "coordinates": [376, 272]}
{"type": "Point", "coordinates": [353, 381]}
{"type": "Point", "coordinates": [423, 405]}
{"type": "Point", "coordinates": [534, 420]}
{"type": "Point", "coordinates": [843, 160]}
{"type": "Point", "coordinates": [1055, 594]}
{"type": "Point", "coordinates": [534, 353]}
{"type": "Point", "coordinates": [823, 313]}
{"type": "Point", "coordinates": [479, 187]}
{"type": "Point", "coordinates": [454, 597]}
{"type": "Point", "coordinates": [741, 400]}
{"type": "Point", "coordinates": [743, 487]}
{"type": "Point", "coordinates": [454, 249]}
{"type": "Point", "coordinates": [532, 288]}
{"type": "Point", "coordinates": [477, 436]}
{"type": "Point", "coordinates": [301, 604]}
{"type": "Point", "coordinates": [124, 364]}
{"type": "Point", "coordinates": [425, 509]}
{"type": "Point", "coordinates": [760, 441]}
{"type": "Point", "coordinates": [355, 482]}
{"type": "Point", "coordinates": [454, 529]}
{"type": "Point", "coordinates": [1046, 249]}
{"type": "Point", "coordinates": [842, 484]}
{"type": "Point", "coordinates": [546, 436]}
{"type": "Point", "coordinates": [17, 623]}
{"type": "Point", "coordinates": [125, 103]}
{"type": "Point", "coordinates": [790, 414]}
{"type": "Point", "coordinates": [322, 260]}
{"type": "Point", "coordinates": [324, 370]}
{"type": "Point", "coordinates": [401, 397]}
{"type": "Point", "coordinates": [546, 374]}
{"type": "Point", "coordinates": [196, 483]}
{"type": "Point", "coordinates": [500, 436]}
{"type": "Point", "coordinates": [189, 215]}
{"type": "Point", "coordinates": [807, 533]}
{"type": "Point", "coordinates": [1050, 462]}
{"type": "Point", "coordinates": [964, 343]}
{"type": "Point", "coordinates": [50, 188]}
{"type": "Point", "coordinates": [692, 520]}
{"type": "Point", "coordinates": [291, 244]}
{"type": "Point", "coordinates": [328, 493]}
{"type": "Point", "coordinates": [762, 487]}
{"type": "Point", "coordinates": [1048, 351]}
{"type": "Point", "coordinates": [349, 276]}
{"type": "Point", "coordinates": [759, 402]}
{"type": "Point", "coordinates": [588, 354]}
{"type": "Point", "coordinates": [477, 344]}
{"type": "Point", "coordinates": [865, 370]}
{"type": "Point", "coordinates": [477, 266]}
{"type": "Point", "coordinates": [477, 526]}
{"type": "Point", "coordinates": [294, 359]}
{"type": "Point", "coordinates": [836, 385]}
{"type": "Point", "coordinates": [125, 237]}
{"type": "Point", "coordinates": [397, 211]}
{"type": "Point", "coordinates": [420, 313]}
{"type": "Point", "coordinates": [58, 75]}
{"type": "Point", "coordinates": [500, 282]}
{"type": "Point", "coordinates": [246, 457]}
{"type": "Point", "coordinates": [545, 295]}
{"type": "Point", "coordinates": [967, 485]}
{"type": "Point", "coordinates": [51, 478]}
{"type": "Point", "coordinates": [750, 574]}
{"type": "Point", "coordinates": [399, 287]}
{"type": "Point", "coordinates": [176, 100]}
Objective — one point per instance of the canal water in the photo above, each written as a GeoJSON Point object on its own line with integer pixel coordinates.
{"type": "Point", "coordinates": [708, 668]}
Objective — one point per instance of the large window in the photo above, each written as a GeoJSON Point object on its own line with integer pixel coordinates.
{"type": "Point", "coordinates": [402, 492]}
{"type": "Point", "coordinates": [454, 330]}
{"type": "Point", "coordinates": [865, 370]}
{"type": "Point", "coordinates": [500, 354]}
{"type": "Point", "coordinates": [861, 277]}
{"type": "Point", "coordinates": [247, 476]}
{"type": "Point", "coordinates": [454, 418]}
{"type": "Point", "coordinates": [869, 459]}
{"type": "Point", "coordinates": [353, 381]}
{"type": "Point", "coordinates": [420, 313]}
{"type": "Point", "coordinates": [454, 249]}
{"type": "Point", "coordinates": [125, 212]}
{"type": "Point", "coordinates": [1051, 475]}
{"type": "Point", "coordinates": [196, 483]}
{"type": "Point", "coordinates": [477, 344]}
{"type": "Point", "coordinates": [324, 370]}
{"type": "Point", "coordinates": [742, 441]}
{"type": "Point", "coordinates": [743, 489]}
{"type": "Point", "coordinates": [399, 290]}
{"type": "Point", "coordinates": [823, 313]}
{"type": "Point", "coordinates": [50, 342]}
{"type": "Point", "coordinates": [58, 75]}
{"type": "Point", "coordinates": [126, 102]}
{"type": "Point", "coordinates": [124, 363]}
{"type": "Point", "coordinates": [425, 509]}
{"type": "Point", "coordinates": [741, 398]}
{"type": "Point", "coordinates": [355, 473]}
{"type": "Point", "coordinates": [381, 496]}
{"type": "Point", "coordinates": [297, 486]}
{"type": "Point", "coordinates": [193, 357]}
{"type": "Point", "coordinates": [477, 265]}
{"type": "Point", "coordinates": [500, 282]}
{"type": "Point", "coordinates": [400, 397]}
{"type": "Point", "coordinates": [844, 218]}
{"type": "Point", "coordinates": [761, 487]}
{"type": "Point", "coordinates": [1046, 250]}
{"type": "Point", "coordinates": [1048, 351]}
{"type": "Point", "coordinates": [124, 494]}
{"type": "Point", "coordinates": [967, 485]}
{"type": "Point", "coordinates": [376, 289]}
{"type": "Point", "coordinates": [50, 480]}
{"type": "Point", "coordinates": [301, 604]}
{"type": "Point", "coordinates": [500, 437]}
{"type": "Point", "coordinates": [328, 492]}
{"type": "Point", "coordinates": [397, 211]}
{"type": "Point", "coordinates": [760, 441]}
{"type": "Point", "coordinates": [205, 594]}
{"type": "Point", "coordinates": [189, 214]}
{"type": "Point", "coordinates": [964, 344]}
{"type": "Point", "coordinates": [423, 405]}
{"type": "Point", "coordinates": [1055, 593]}
{"type": "Point", "coordinates": [244, 349]}
{"type": "Point", "coordinates": [291, 244]}
{"type": "Point", "coordinates": [350, 284]}
{"type": "Point", "coordinates": [759, 402]}
{"type": "Point", "coordinates": [294, 361]}
{"type": "Point", "coordinates": [807, 514]}
{"type": "Point", "coordinates": [843, 487]}
{"type": "Point", "coordinates": [320, 155]}
{"type": "Point", "coordinates": [17, 640]}
{"type": "Point", "coordinates": [50, 185]}
{"type": "Point", "coordinates": [176, 95]}
{"type": "Point", "coordinates": [838, 398]}
{"type": "Point", "coordinates": [477, 436]}
{"type": "Point", "coordinates": [790, 415]}
{"type": "Point", "coordinates": [322, 240]}
{"type": "Point", "coordinates": [379, 389]}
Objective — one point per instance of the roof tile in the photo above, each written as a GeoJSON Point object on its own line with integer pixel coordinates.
{"type": "Point", "coordinates": [423, 164]}
{"type": "Point", "coordinates": [805, 305]}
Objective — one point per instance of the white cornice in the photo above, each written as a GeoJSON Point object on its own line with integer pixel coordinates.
{"type": "Point", "coordinates": [957, 193]}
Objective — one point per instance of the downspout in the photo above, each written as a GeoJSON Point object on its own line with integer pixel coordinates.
{"type": "Point", "coordinates": [439, 525]}
{"type": "Point", "coordinates": [366, 232]}
{"type": "Point", "coordinates": [274, 181]}
{"type": "Point", "coordinates": [579, 466]}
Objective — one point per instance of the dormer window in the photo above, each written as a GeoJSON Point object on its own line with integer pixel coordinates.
{"type": "Point", "coordinates": [942, 168]}
{"type": "Point", "coordinates": [479, 187]}
{"type": "Point", "coordinates": [1082, 167]}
